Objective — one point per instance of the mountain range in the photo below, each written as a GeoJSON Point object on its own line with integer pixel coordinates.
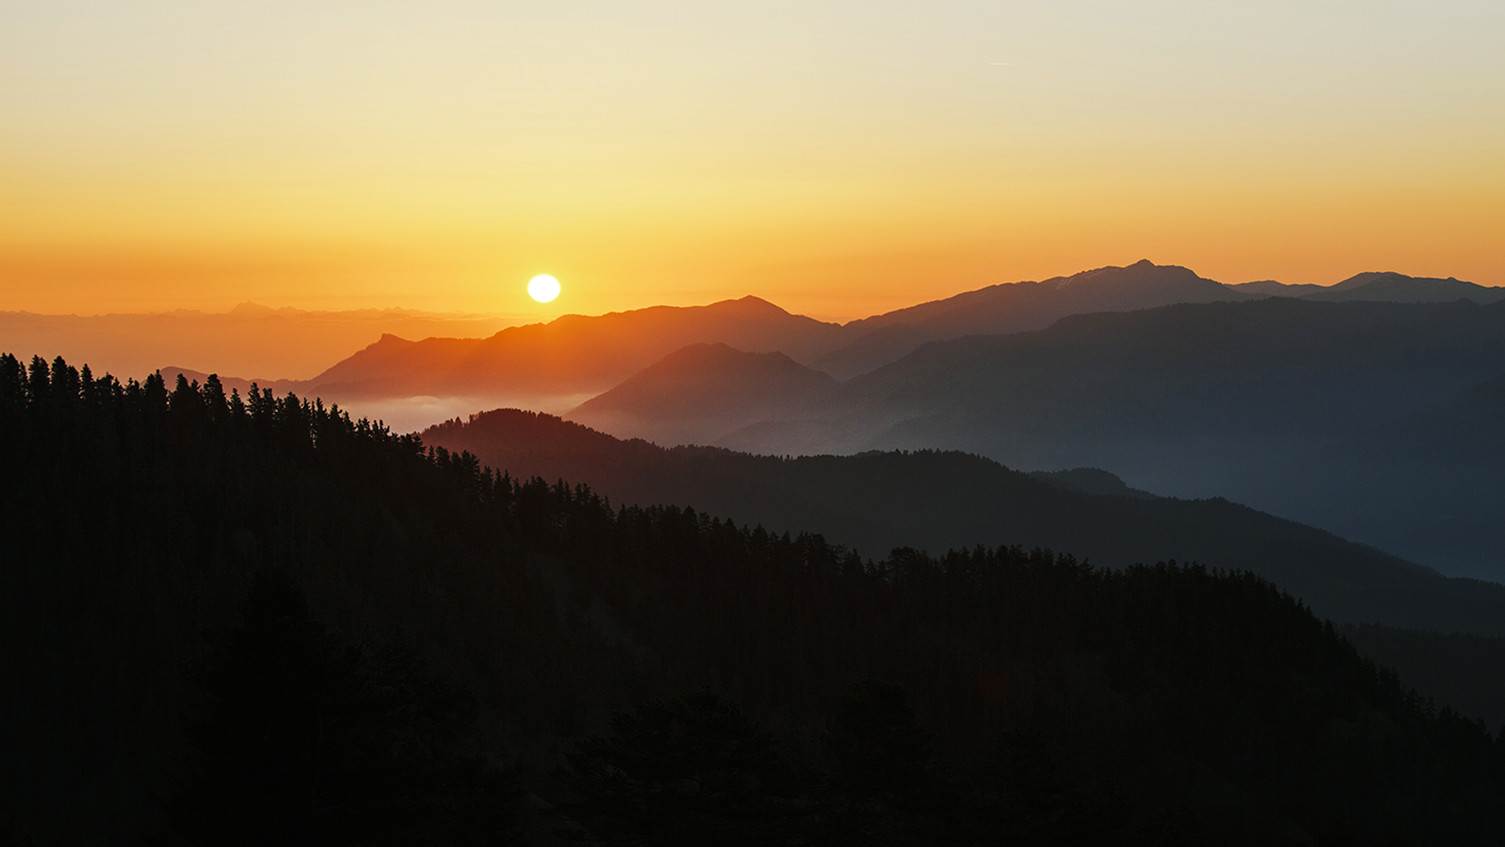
{"type": "Point", "coordinates": [1382, 287]}
{"type": "Point", "coordinates": [577, 354]}
{"type": "Point", "coordinates": [1319, 404]}
{"type": "Point", "coordinates": [877, 501]}
{"type": "Point", "coordinates": [1017, 307]}
{"type": "Point", "coordinates": [570, 355]}
{"type": "Point", "coordinates": [1442, 634]}
{"type": "Point", "coordinates": [1288, 405]}
{"type": "Point", "coordinates": [1376, 410]}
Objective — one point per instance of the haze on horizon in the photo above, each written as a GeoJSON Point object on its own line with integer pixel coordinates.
{"type": "Point", "coordinates": [838, 159]}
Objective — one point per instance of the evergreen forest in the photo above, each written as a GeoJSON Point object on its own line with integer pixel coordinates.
{"type": "Point", "coordinates": [251, 619]}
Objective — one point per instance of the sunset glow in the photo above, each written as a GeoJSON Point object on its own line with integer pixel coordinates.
{"type": "Point", "coordinates": [776, 422]}
{"type": "Point", "coordinates": [837, 159]}
{"type": "Point", "coordinates": [543, 288]}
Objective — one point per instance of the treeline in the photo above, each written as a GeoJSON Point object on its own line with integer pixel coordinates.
{"type": "Point", "coordinates": [1025, 695]}
{"type": "Point", "coordinates": [1459, 669]}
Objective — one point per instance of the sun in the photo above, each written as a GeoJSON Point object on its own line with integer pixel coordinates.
{"type": "Point", "coordinates": [543, 288]}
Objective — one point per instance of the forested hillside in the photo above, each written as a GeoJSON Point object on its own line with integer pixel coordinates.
{"type": "Point", "coordinates": [462, 657]}
{"type": "Point", "coordinates": [935, 500]}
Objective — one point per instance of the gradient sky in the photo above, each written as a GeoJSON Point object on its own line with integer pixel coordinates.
{"type": "Point", "coordinates": [838, 158]}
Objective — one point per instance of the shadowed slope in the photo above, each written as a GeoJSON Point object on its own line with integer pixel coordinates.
{"type": "Point", "coordinates": [1158, 704]}
{"type": "Point", "coordinates": [1426, 485]}
{"type": "Point", "coordinates": [704, 387]}
{"type": "Point", "coordinates": [1247, 400]}
{"type": "Point", "coordinates": [930, 500]}
{"type": "Point", "coordinates": [1277, 369]}
{"type": "Point", "coordinates": [1018, 307]}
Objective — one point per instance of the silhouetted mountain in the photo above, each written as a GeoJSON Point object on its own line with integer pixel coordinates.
{"type": "Point", "coordinates": [1459, 669]}
{"type": "Point", "coordinates": [1013, 307]}
{"type": "Point", "coordinates": [927, 500]}
{"type": "Point", "coordinates": [1089, 481]}
{"type": "Point", "coordinates": [388, 625]}
{"type": "Point", "coordinates": [1272, 288]}
{"type": "Point", "coordinates": [1281, 368]}
{"type": "Point", "coordinates": [577, 356]}
{"type": "Point", "coordinates": [586, 355]}
{"type": "Point", "coordinates": [573, 354]}
{"type": "Point", "coordinates": [1380, 287]}
{"type": "Point", "coordinates": [1195, 400]}
{"type": "Point", "coordinates": [1017, 307]}
{"type": "Point", "coordinates": [701, 388]}
{"type": "Point", "coordinates": [1390, 287]}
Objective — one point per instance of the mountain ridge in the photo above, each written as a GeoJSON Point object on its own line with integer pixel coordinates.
{"type": "Point", "coordinates": [1187, 399]}
{"type": "Point", "coordinates": [581, 354]}
{"type": "Point", "coordinates": [570, 354]}
{"type": "Point", "coordinates": [1017, 307]}
{"type": "Point", "coordinates": [936, 499]}
{"type": "Point", "coordinates": [695, 387]}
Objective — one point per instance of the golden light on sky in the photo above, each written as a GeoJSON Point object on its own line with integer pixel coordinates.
{"type": "Point", "coordinates": [838, 158]}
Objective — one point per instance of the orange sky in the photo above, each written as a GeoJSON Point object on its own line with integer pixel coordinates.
{"type": "Point", "coordinates": [838, 158]}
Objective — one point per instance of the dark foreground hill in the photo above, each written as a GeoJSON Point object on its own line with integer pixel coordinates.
{"type": "Point", "coordinates": [937, 500]}
{"type": "Point", "coordinates": [1026, 697]}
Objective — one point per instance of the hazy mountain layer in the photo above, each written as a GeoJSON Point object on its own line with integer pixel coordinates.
{"type": "Point", "coordinates": [1426, 485]}
{"type": "Point", "coordinates": [935, 501]}
{"type": "Point", "coordinates": [1324, 419]}
{"type": "Point", "coordinates": [1244, 400]}
{"type": "Point", "coordinates": [575, 354]}
{"type": "Point", "coordinates": [1024, 306]}
{"type": "Point", "coordinates": [1017, 307]}
{"type": "Point", "coordinates": [569, 355]}
{"type": "Point", "coordinates": [1381, 287]}
{"type": "Point", "coordinates": [703, 387]}
{"type": "Point", "coordinates": [556, 365]}
{"type": "Point", "coordinates": [250, 341]}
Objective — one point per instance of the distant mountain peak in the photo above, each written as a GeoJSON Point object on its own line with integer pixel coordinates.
{"type": "Point", "coordinates": [750, 303]}
{"type": "Point", "coordinates": [1360, 280]}
{"type": "Point", "coordinates": [719, 354]}
{"type": "Point", "coordinates": [1274, 288]}
{"type": "Point", "coordinates": [1393, 287]}
{"type": "Point", "coordinates": [699, 383]}
{"type": "Point", "coordinates": [1019, 307]}
{"type": "Point", "coordinates": [1142, 275]}
{"type": "Point", "coordinates": [1141, 272]}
